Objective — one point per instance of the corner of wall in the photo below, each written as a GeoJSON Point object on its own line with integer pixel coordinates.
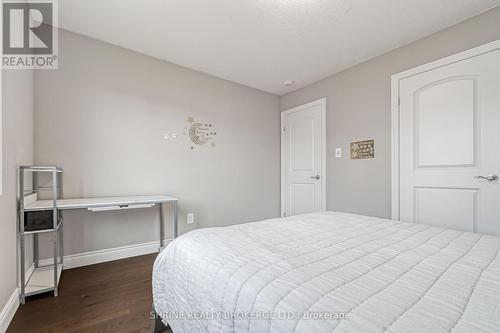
{"type": "Point", "coordinates": [18, 115]}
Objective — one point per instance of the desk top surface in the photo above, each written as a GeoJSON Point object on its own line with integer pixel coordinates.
{"type": "Point", "coordinates": [84, 203]}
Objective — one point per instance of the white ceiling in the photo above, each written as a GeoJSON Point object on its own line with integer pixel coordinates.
{"type": "Point", "coordinates": [262, 43]}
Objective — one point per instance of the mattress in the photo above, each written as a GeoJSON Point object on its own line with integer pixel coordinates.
{"type": "Point", "coordinates": [329, 272]}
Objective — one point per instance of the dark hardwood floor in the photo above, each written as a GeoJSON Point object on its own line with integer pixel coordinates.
{"type": "Point", "coordinates": [107, 297]}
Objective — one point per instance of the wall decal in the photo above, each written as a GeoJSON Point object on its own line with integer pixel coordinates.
{"type": "Point", "coordinates": [200, 133]}
{"type": "Point", "coordinates": [362, 149]}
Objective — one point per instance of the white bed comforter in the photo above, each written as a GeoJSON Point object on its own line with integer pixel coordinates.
{"type": "Point", "coordinates": [351, 273]}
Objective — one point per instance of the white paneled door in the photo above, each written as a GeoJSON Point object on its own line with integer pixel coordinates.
{"type": "Point", "coordinates": [449, 145]}
{"type": "Point", "coordinates": [303, 143]}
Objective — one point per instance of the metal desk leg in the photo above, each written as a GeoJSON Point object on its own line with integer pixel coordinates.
{"type": "Point", "coordinates": [23, 282]}
{"type": "Point", "coordinates": [162, 224]}
{"type": "Point", "coordinates": [56, 245]}
{"type": "Point", "coordinates": [61, 243]}
{"type": "Point", "coordinates": [21, 235]}
{"type": "Point", "coordinates": [55, 222]}
{"type": "Point", "coordinates": [175, 220]}
{"type": "Point", "coordinates": [61, 236]}
{"type": "Point", "coordinates": [35, 250]}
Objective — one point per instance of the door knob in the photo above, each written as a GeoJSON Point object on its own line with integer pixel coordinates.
{"type": "Point", "coordinates": [317, 177]}
{"type": "Point", "coordinates": [490, 178]}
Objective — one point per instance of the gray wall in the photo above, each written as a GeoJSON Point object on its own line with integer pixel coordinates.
{"type": "Point", "coordinates": [358, 108]}
{"type": "Point", "coordinates": [102, 117]}
{"type": "Point", "coordinates": [17, 107]}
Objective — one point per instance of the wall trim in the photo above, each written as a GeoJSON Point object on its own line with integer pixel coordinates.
{"type": "Point", "coordinates": [105, 255]}
{"type": "Point", "coordinates": [9, 310]}
{"type": "Point", "coordinates": [395, 80]}
{"type": "Point", "coordinates": [322, 103]}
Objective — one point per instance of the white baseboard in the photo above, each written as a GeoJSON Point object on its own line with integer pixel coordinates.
{"type": "Point", "coordinates": [96, 257]}
{"type": "Point", "coordinates": [9, 310]}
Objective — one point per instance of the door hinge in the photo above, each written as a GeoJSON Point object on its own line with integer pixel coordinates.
{"type": "Point", "coordinates": [399, 101]}
{"type": "Point", "coordinates": [284, 129]}
{"type": "Point", "coordinates": [284, 214]}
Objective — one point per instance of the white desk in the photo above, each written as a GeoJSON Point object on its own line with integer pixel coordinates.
{"type": "Point", "coordinates": [111, 203]}
{"type": "Point", "coordinates": [42, 278]}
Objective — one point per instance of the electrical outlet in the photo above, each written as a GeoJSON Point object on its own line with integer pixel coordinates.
{"type": "Point", "coordinates": [338, 152]}
{"type": "Point", "coordinates": [190, 218]}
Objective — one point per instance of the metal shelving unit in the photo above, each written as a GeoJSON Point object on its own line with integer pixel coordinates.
{"type": "Point", "coordinates": [42, 279]}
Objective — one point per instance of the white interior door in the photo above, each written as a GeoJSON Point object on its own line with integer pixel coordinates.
{"type": "Point", "coordinates": [303, 144]}
{"type": "Point", "coordinates": [449, 130]}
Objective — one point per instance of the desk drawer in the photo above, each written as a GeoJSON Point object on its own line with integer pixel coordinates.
{"type": "Point", "coordinates": [39, 220]}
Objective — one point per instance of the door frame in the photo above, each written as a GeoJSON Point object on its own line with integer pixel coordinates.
{"type": "Point", "coordinates": [322, 103]}
{"type": "Point", "coordinates": [395, 79]}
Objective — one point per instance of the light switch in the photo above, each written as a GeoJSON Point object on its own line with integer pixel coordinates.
{"type": "Point", "coordinates": [338, 152]}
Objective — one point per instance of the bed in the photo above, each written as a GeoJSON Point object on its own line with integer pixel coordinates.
{"type": "Point", "coordinates": [329, 272]}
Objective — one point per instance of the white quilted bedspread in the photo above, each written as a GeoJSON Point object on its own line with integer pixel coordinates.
{"type": "Point", "coordinates": [351, 273]}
